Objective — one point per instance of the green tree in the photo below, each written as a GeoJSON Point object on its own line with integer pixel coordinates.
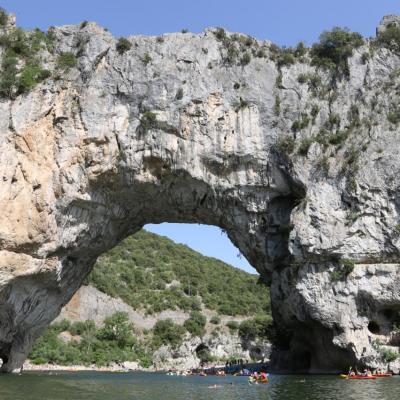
{"type": "Point", "coordinates": [118, 328]}
{"type": "Point", "coordinates": [258, 327]}
{"type": "Point", "coordinates": [168, 333]}
{"type": "Point", "coordinates": [334, 48]}
{"type": "Point", "coordinates": [195, 323]}
{"type": "Point", "coordinates": [123, 45]}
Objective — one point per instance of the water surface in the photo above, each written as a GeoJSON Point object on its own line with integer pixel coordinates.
{"type": "Point", "coordinates": [146, 386]}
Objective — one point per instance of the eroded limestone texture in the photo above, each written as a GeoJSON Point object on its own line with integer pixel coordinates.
{"type": "Point", "coordinates": [83, 164]}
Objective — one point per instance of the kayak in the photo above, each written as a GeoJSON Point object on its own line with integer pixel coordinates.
{"type": "Point", "coordinates": [357, 377]}
{"type": "Point", "coordinates": [258, 381]}
{"type": "Point", "coordinates": [388, 375]}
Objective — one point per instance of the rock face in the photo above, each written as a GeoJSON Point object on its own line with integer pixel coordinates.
{"type": "Point", "coordinates": [171, 131]}
{"type": "Point", "coordinates": [88, 303]}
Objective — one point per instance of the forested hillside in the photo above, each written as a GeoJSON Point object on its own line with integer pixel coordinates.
{"type": "Point", "coordinates": [153, 273]}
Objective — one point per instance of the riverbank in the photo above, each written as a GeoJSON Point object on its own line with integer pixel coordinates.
{"type": "Point", "coordinates": [124, 367]}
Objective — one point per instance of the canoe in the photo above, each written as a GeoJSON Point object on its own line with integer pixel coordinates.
{"type": "Point", "coordinates": [357, 377]}
{"type": "Point", "coordinates": [388, 375]}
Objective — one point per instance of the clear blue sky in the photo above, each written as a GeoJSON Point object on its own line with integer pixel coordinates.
{"type": "Point", "coordinates": [206, 239]}
{"type": "Point", "coordinates": [282, 21]}
{"type": "Point", "coordinates": [285, 22]}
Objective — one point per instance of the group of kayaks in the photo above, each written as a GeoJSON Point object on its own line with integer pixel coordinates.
{"type": "Point", "coordinates": [373, 376]}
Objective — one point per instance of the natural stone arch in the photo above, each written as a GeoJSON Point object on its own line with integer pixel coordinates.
{"type": "Point", "coordinates": [90, 158]}
{"type": "Point", "coordinates": [114, 198]}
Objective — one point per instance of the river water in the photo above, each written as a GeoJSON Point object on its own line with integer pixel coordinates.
{"type": "Point", "coordinates": [146, 386]}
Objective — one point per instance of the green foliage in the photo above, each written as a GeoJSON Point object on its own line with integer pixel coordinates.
{"type": "Point", "coordinates": [300, 50]}
{"type": "Point", "coordinates": [146, 59]}
{"type": "Point", "coordinates": [3, 17]}
{"type": "Point", "coordinates": [314, 111]}
{"type": "Point", "coordinates": [166, 332]}
{"type": "Point", "coordinates": [246, 58]}
{"type": "Point", "coordinates": [220, 34]}
{"type": "Point", "coordinates": [66, 60]}
{"type": "Point", "coordinates": [184, 30]}
{"type": "Point", "coordinates": [348, 266]}
{"type": "Point", "coordinates": [148, 121]}
{"type": "Point", "coordinates": [215, 319]}
{"type": "Point", "coordinates": [338, 137]}
{"type": "Point", "coordinates": [277, 106]}
{"type": "Point", "coordinates": [30, 76]}
{"type": "Point", "coordinates": [345, 269]}
{"type": "Point", "coordinates": [302, 78]}
{"type": "Point", "coordinates": [390, 38]}
{"type": "Point", "coordinates": [279, 80]}
{"type": "Point", "coordinates": [233, 326]}
{"type": "Point", "coordinates": [261, 326]}
{"type": "Point", "coordinates": [205, 356]}
{"type": "Point", "coordinates": [304, 146]}
{"type": "Point", "coordinates": [117, 328]}
{"type": "Point", "coordinates": [389, 355]}
{"type": "Point", "coordinates": [334, 49]}
{"type": "Point", "coordinates": [365, 57]}
{"type": "Point", "coordinates": [286, 144]}
{"type": "Point", "coordinates": [195, 324]}
{"type": "Point", "coordinates": [283, 56]}
{"type": "Point", "coordinates": [123, 45]}
{"type": "Point", "coordinates": [21, 68]}
{"type": "Point", "coordinates": [112, 343]}
{"type": "Point", "coordinates": [134, 269]}
{"type": "Point", "coordinates": [333, 121]}
{"type": "Point", "coordinates": [237, 49]}
{"type": "Point", "coordinates": [9, 80]}
{"type": "Point", "coordinates": [301, 124]}
{"type": "Point", "coordinates": [323, 164]}
{"type": "Point", "coordinates": [397, 229]}
{"type": "Point", "coordinates": [393, 115]}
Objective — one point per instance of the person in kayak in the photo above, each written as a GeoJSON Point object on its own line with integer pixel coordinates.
{"type": "Point", "coordinates": [263, 376]}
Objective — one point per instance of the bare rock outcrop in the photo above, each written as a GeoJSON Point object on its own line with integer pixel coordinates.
{"type": "Point", "coordinates": [302, 173]}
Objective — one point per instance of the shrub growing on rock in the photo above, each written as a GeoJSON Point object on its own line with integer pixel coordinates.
{"type": "Point", "coordinates": [66, 61]}
{"type": "Point", "coordinates": [286, 144]}
{"type": "Point", "coordinates": [334, 48]}
{"type": "Point", "coordinates": [246, 58]}
{"type": "Point", "coordinates": [232, 325]}
{"type": "Point", "coordinates": [3, 17]}
{"type": "Point", "coordinates": [390, 38]}
{"type": "Point", "coordinates": [146, 59]}
{"type": "Point", "coordinates": [30, 76]}
{"type": "Point", "coordinates": [123, 45]}
{"type": "Point", "coordinates": [195, 323]}
{"type": "Point", "coordinates": [148, 120]}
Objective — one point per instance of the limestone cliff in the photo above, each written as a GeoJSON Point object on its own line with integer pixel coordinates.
{"type": "Point", "coordinates": [298, 165]}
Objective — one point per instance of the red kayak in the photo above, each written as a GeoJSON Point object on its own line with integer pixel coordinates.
{"type": "Point", "coordinates": [357, 377]}
{"type": "Point", "coordinates": [388, 375]}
